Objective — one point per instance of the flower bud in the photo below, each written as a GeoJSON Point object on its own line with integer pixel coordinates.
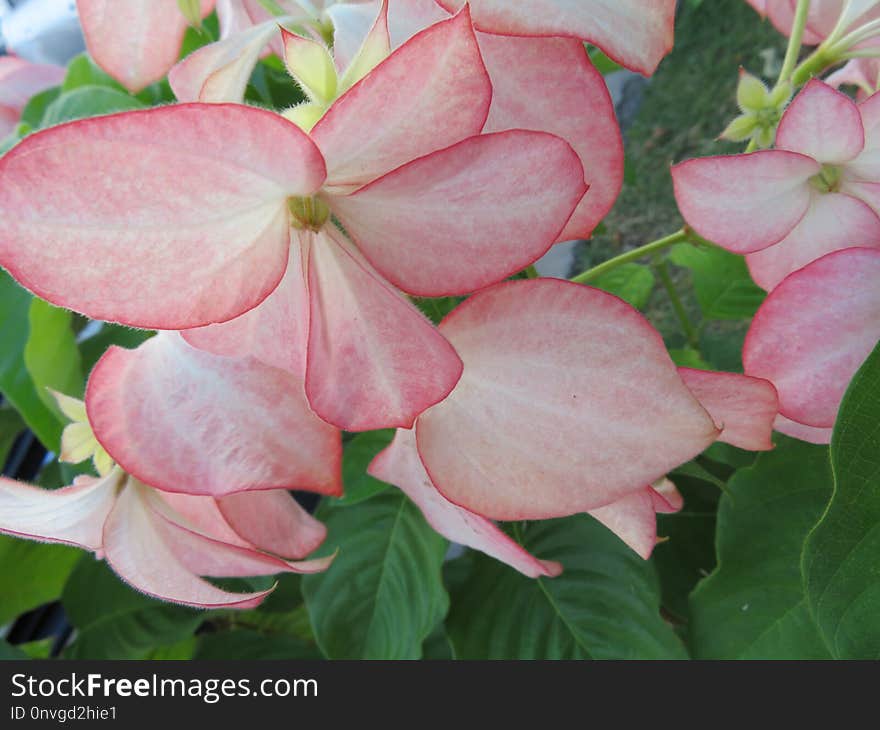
{"type": "Point", "coordinates": [752, 94]}
{"type": "Point", "coordinates": [741, 128]}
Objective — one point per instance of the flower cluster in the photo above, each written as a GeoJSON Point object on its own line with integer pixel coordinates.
{"type": "Point", "coordinates": [441, 148]}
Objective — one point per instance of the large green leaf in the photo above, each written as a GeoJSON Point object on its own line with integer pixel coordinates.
{"type": "Point", "coordinates": [115, 622]}
{"type": "Point", "coordinates": [51, 355]}
{"type": "Point", "coordinates": [841, 563]}
{"type": "Point", "coordinates": [753, 606]}
{"type": "Point", "coordinates": [9, 652]}
{"type": "Point", "coordinates": [687, 553]}
{"type": "Point", "coordinates": [358, 454]}
{"type": "Point", "coordinates": [15, 381]}
{"type": "Point", "coordinates": [250, 644]}
{"type": "Point", "coordinates": [88, 101]}
{"type": "Point", "coordinates": [33, 574]}
{"type": "Point", "coordinates": [722, 283]}
{"type": "Point", "coordinates": [384, 593]}
{"type": "Point", "coordinates": [606, 605]}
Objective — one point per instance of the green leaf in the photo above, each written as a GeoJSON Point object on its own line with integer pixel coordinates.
{"type": "Point", "coordinates": [606, 605]}
{"type": "Point", "coordinates": [437, 309]}
{"type": "Point", "coordinates": [95, 346]}
{"type": "Point", "coordinates": [250, 644]}
{"type": "Point", "coordinates": [438, 646]}
{"type": "Point", "coordinates": [9, 652]}
{"type": "Point", "coordinates": [688, 357]}
{"type": "Point", "coordinates": [722, 283]}
{"type": "Point", "coordinates": [88, 101]}
{"type": "Point", "coordinates": [181, 651]}
{"type": "Point", "coordinates": [51, 355]}
{"type": "Point", "coordinates": [384, 593]}
{"type": "Point", "coordinates": [40, 649]}
{"type": "Point", "coordinates": [841, 563]}
{"type": "Point", "coordinates": [753, 606]}
{"type": "Point", "coordinates": [603, 64]}
{"type": "Point", "coordinates": [687, 553]}
{"type": "Point", "coordinates": [35, 109]}
{"type": "Point", "coordinates": [15, 381]}
{"type": "Point", "coordinates": [695, 470]}
{"type": "Point", "coordinates": [115, 622]}
{"type": "Point", "coordinates": [631, 282]}
{"type": "Point", "coordinates": [33, 574]}
{"type": "Point", "coordinates": [82, 71]}
{"type": "Point", "coordinates": [11, 425]}
{"type": "Point", "coordinates": [358, 454]}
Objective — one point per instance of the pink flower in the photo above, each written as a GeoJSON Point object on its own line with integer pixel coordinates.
{"type": "Point", "coordinates": [575, 103]}
{"type": "Point", "coordinates": [567, 404]}
{"type": "Point", "coordinates": [634, 33]}
{"type": "Point", "coordinates": [828, 20]}
{"type": "Point", "coordinates": [522, 69]}
{"type": "Point", "coordinates": [812, 334]}
{"type": "Point", "coordinates": [135, 41]}
{"type": "Point", "coordinates": [161, 543]}
{"type": "Point", "coordinates": [19, 81]}
{"type": "Point", "coordinates": [863, 73]}
{"type": "Point", "coordinates": [190, 215]}
{"type": "Point", "coordinates": [818, 192]}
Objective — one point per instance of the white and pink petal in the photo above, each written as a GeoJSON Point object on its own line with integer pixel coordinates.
{"type": "Point", "coordinates": [185, 420]}
{"type": "Point", "coordinates": [568, 402]}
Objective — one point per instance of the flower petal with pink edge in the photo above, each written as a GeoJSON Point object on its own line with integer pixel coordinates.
{"type": "Point", "coordinates": [667, 498]}
{"type": "Point", "coordinates": [162, 229]}
{"type": "Point", "coordinates": [634, 33]}
{"type": "Point", "coordinates": [468, 216]}
{"type": "Point", "coordinates": [374, 360]}
{"type": "Point", "coordinates": [633, 519]}
{"type": "Point", "coordinates": [822, 123]}
{"type": "Point", "coordinates": [810, 434]}
{"type": "Point", "coordinates": [745, 202]}
{"type": "Point", "coordinates": [205, 554]}
{"type": "Point", "coordinates": [399, 464]}
{"type": "Point", "coordinates": [568, 402]}
{"type": "Point", "coordinates": [408, 17]}
{"type": "Point", "coordinates": [185, 420]}
{"type": "Point", "coordinates": [352, 23]}
{"type": "Point", "coordinates": [275, 332]}
{"type": "Point", "coordinates": [430, 93]}
{"type": "Point", "coordinates": [866, 167]}
{"type": "Point", "coordinates": [834, 221]}
{"type": "Point", "coordinates": [140, 547]}
{"type": "Point", "coordinates": [814, 331]}
{"type": "Point", "coordinates": [558, 71]}
{"type": "Point", "coordinates": [274, 522]}
{"type": "Point", "coordinates": [743, 408]}
{"type": "Point", "coordinates": [71, 515]}
{"type": "Point", "coordinates": [20, 80]}
{"type": "Point", "coordinates": [135, 41]}
{"type": "Point", "coordinates": [219, 72]}
{"type": "Point", "coordinates": [863, 73]}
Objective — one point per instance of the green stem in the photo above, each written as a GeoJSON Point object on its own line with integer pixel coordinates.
{"type": "Point", "coordinates": [813, 65]}
{"type": "Point", "coordinates": [794, 41]}
{"type": "Point", "coordinates": [662, 269]}
{"type": "Point", "coordinates": [637, 253]}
